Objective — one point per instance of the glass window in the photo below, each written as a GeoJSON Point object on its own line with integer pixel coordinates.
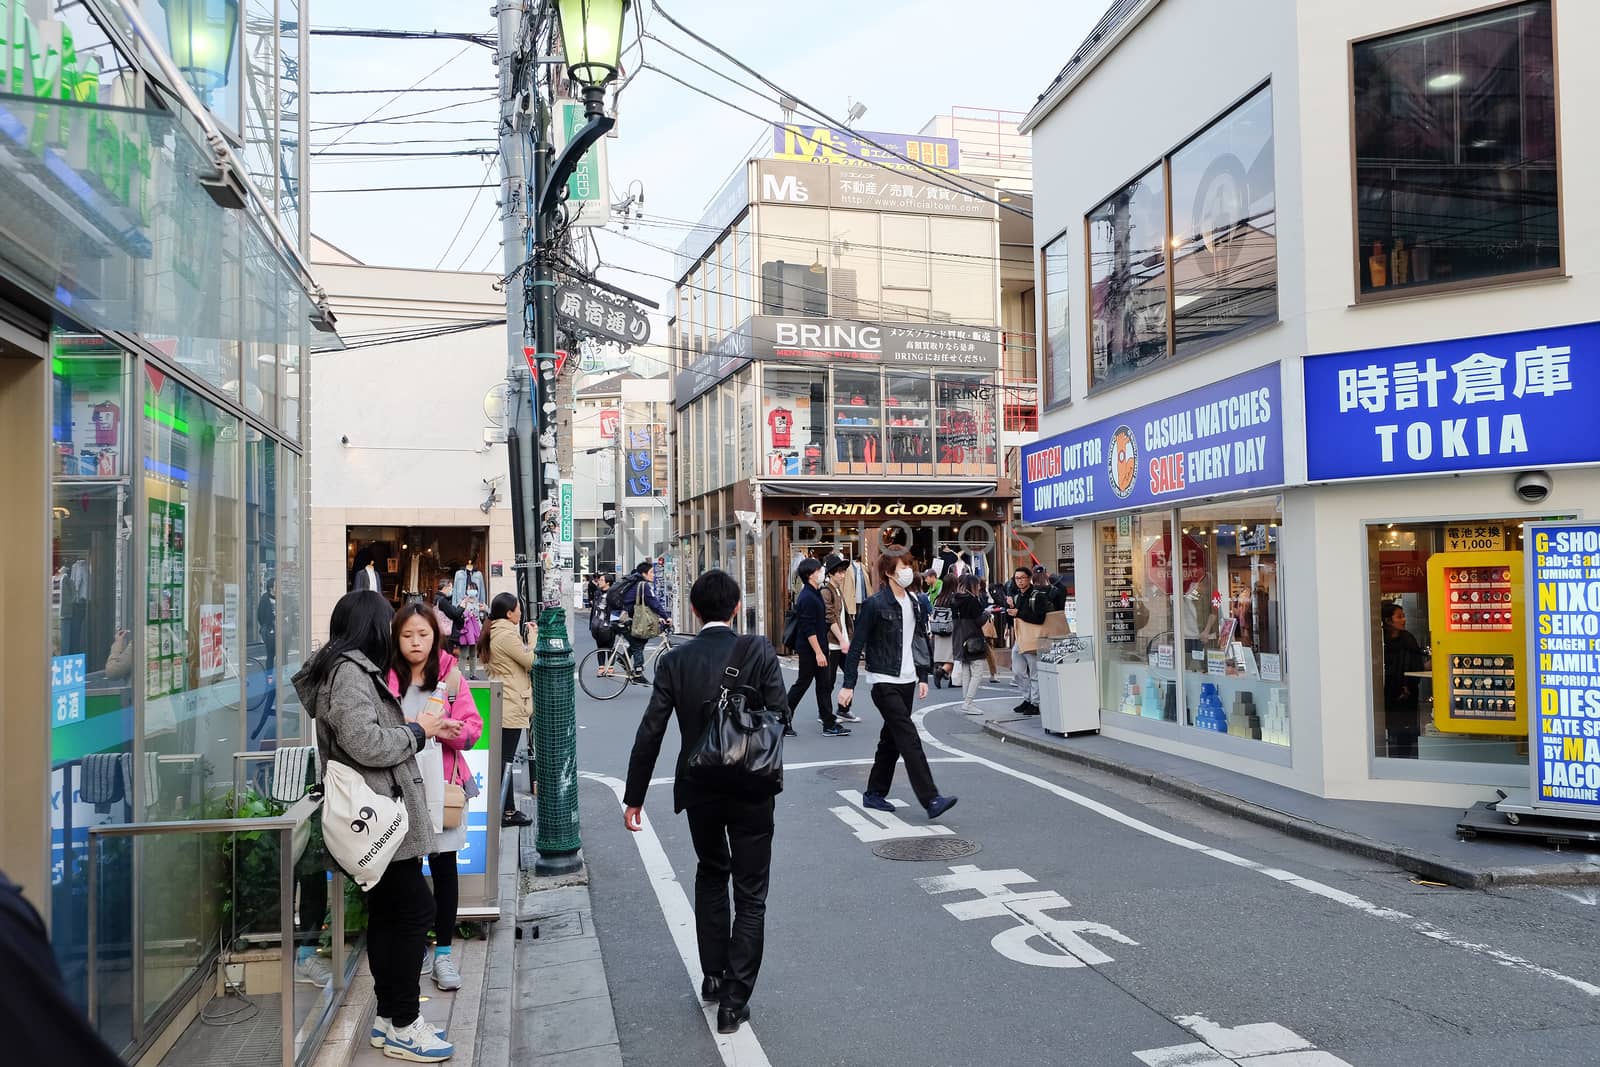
{"type": "Point", "coordinates": [260, 603]}
{"type": "Point", "coordinates": [966, 422]}
{"type": "Point", "coordinates": [1128, 279]}
{"type": "Point", "coordinates": [795, 255]}
{"type": "Point", "coordinates": [290, 114]}
{"type": "Point", "coordinates": [727, 443]}
{"type": "Point", "coordinates": [905, 251]}
{"type": "Point", "coordinates": [713, 404]}
{"type": "Point", "coordinates": [220, 84]}
{"type": "Point", "coordinates": [964, 277]}
{"type": "Point", "coordinates": [1456, 151]}
{"type": "Point", "coordinates": [1057, 340]}
{"type": "Point", "coordinates": [794, 407]}
{"type": "Point", "coordinates": [729, 317]}
{"type": "Point", "coordinates": [287, 589]}
{"type": "Point", "coordinates": [858, 421]}
{"type": "Point", "coordinates": [909, 410]}
{"type": "Point", "coordinates": [855, 266]}
{"type": "Point", "coordinates": [1235, 673]}
{"type": "Point", "coordinates": [697, 415]}
{"type": "Point", "coordinates": [289, 422]}
{"type": "Point", "coordinates": [747, 424]}
{"type": "Point", "coordinates": [1138, 640]}
{"type": "Point", "coordinates": [1224, 227]}
{"type": "Point", "coordinates": [261, 36]}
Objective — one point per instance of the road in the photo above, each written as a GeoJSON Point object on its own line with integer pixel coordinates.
{"type": "Point", "coordinates": [1099, 923]}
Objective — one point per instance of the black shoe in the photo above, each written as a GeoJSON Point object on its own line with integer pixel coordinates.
{"type": "Point", "coordinates": [939, 805]}
{"type": "Point", "coordinates": [728, 1019]}
{"type": "Point", "coordinates": [1033, 709]}
{"type": "Point", "coordinates": [711, 988]}
{"type": "Point", "coordinates": [876, 801]}
{"type": "Point", "coordinates": [1022, 708]}
{"type": "Point", "coordinates": [846, 716]}
{"type": "Point", "coordinates": [515, 818]}
{"type": "Point", "coordinates": [835, 731]}
{"type": "Point", "coordinates": [789, 731]}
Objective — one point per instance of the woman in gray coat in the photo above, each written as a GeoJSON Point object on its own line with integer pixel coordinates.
{"type": "Point", "coordinates": [359, 724]}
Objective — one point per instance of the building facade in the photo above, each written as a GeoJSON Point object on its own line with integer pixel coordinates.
{"type": "Point", "coordinates": [156, 323]}
{"type": "Point", "coordinates": [1319, 326]}
{"type": "Point", "coordinates": [844, 335]}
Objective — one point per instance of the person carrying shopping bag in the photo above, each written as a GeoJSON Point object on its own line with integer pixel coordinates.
{"type": "Point", "coordinates": [969, 645]}
{"type": "Point", "coordinates": [421, 671]}
{"type": "Point", "coordinates": [509, 661]}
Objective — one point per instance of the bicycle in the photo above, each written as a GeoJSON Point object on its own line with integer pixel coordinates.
{"type": "Point", "coordinates": [605, 672]}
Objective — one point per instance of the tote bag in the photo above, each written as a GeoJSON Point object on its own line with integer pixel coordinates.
{"type": "Point", "coordinates": [430, 764]}
{"type": "Point", "coordinates": [361, 829]}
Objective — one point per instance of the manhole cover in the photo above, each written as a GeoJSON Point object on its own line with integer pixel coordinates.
{"type": "Point", "coordinates": [848, 773]}
{"type": "Point", "coordinates": [926, 849]}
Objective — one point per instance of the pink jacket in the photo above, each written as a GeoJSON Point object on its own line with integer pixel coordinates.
{"type": "Point", "coordinates": [462, 708]}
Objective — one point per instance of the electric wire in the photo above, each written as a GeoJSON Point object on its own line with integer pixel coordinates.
{"type": "Point", "coordinates": [320, 127]}
{"type": "Point", "coordinates": [493, 159]}
{"type": "Point", "coordinates": [381, 107]}
{"type": "Point", "coordinates": [431, 89]}
{"type": "Point", "coordinates": [406, 188]}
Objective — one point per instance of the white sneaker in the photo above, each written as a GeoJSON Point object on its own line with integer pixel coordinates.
{"type": "Point", "coordinates": [446, 975]}
{"type": "Point", "coordinates": [427, 960]}
{"type": "Point", "coordinates": [381, 1028]}
{"type": "Point", "coordinates": [312, 971]}
{"type": "Point", "coordinates": [1013, 683]}
{"type": "Point", "coordinates": [971, 709]}
{"type": "Point", "coordinates": [419, 1043]}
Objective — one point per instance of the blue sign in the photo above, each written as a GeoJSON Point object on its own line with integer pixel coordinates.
{"type": "Point", "coordinates": [69, 689]}
{"type": "Point", "coordinates": [1564, 673]}
{"type": "Point", "coordinates": [1224, 438]}
{"type": "Point", "coordinates": [640, 461]}
{"type": "Point", "coordinates": [1480, 403]}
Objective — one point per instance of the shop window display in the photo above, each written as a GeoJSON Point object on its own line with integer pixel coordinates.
{"type": "Point", "coordinates": [909, 413]}
{"type": "Point", "coordinates": [794, 407]}
{"type": "Point", "coordinates": [965, 442]}
{"type": "Point", "coordinates": [858, 422]}
{"type": "Point", "coordinates": [1138, 641]}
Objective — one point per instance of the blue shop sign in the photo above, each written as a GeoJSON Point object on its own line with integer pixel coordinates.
{"type": "Point", "coordinates": [1513, 400]}
{"type": "Point", "coordinates": [1226, 437]}
{"type": "Point", "coordinates": [1564, 665]}
{"type": "Point", "coordinates": [69, 689]}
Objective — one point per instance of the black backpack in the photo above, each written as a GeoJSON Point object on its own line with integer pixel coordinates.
{"type": "Point", "coordinates": [614, 595]}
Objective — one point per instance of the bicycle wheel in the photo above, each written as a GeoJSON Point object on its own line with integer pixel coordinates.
{"type": "Point", "coordinates": [602, 686]}
{"type": "Point", "coordinates": [653, 662]}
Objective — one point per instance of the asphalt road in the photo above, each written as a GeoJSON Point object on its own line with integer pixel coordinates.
{"type": "Point", "coordinates": [1104, 924]}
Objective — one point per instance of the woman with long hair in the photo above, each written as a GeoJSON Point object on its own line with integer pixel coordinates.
{"type": "Point", "coordinates": [892, 634]}
{"type": "Point", "coordinates": [360, 724]}
{"type": "Point", "coordinates": [508, 660]}
{"type": "Point", "coordinates": [970, 647]}
{"type": "Point", "coordinates": [420, 671]}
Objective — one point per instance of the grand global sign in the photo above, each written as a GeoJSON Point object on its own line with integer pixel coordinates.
{"type": "Point", "coordinates": [893, 509]}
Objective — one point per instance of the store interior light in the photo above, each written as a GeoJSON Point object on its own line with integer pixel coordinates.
{"type": "Point", "coordinates": [1444, 81]}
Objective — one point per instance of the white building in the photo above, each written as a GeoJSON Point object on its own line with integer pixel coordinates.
{"type": "Point", "coordinates": [1230, 194]}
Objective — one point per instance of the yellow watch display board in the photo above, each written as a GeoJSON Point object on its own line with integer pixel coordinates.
{"type": "Point", "coordinates": [1476, 615]}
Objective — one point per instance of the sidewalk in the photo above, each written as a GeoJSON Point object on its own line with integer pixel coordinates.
{"type": "Point", "coordinates": [1412, 837]}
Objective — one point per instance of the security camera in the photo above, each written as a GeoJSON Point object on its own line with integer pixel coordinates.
{"type": "Point", "coordinates": [1532, 487]}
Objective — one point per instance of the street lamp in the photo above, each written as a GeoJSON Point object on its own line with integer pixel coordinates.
{"type": "Point", "coordinates": [201, 34]}
{"type": "Point", "coordinates": [591, 33]}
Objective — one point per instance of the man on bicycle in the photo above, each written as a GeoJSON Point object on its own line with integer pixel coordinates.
{"type": "Point", "coordinates": [626, 597]}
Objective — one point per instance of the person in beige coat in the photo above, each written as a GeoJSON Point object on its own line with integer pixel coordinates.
{"type": "Point", "coordinates": [509, 661]}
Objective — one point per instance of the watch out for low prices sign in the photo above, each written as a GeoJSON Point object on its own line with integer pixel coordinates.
{"type": "Point", "coordinates": [1225, 437]}
{"type": "Point", "coordinates": [1564, 656]}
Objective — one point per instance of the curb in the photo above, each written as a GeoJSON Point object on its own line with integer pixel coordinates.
{"type": "Point", "coordinates": [1417, 862]}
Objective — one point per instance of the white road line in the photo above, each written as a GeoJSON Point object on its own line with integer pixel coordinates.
{"type": "Point", "coordinates": [835, 763]}
{"type": "Point", "coordinates": [1338, 896]}
{"type": "Point", "coordinates": [741, 1049]}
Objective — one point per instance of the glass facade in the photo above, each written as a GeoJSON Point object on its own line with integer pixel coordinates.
{"type": "Point", "coordinates": [1053, 267]}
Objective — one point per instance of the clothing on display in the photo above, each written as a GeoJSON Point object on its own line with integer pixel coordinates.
{"type": "Point", "coordinates": [781, 423]}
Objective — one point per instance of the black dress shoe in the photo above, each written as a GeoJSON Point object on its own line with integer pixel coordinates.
{"type": "Point", "coordinates": [728, 1019]}
{"type": "Point", "coordinates": [789, 731]}
{"type": "Point", "coordinates": [515, 818]}
{"type": "Point", "coordinates": [711, 988]}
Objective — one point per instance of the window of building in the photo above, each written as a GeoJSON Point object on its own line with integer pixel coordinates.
{"type": "Point", "coordinates": [905, 251]}
{"type": "Point", "coordinates": [1057, 340]}
{"type": "Point", "coordinates": [712, 403]}
{"type": "Point", "coordinates": [794, 288]}
{"type": "Point", "coordinates": [1138, 640]}
{"type": "Point", "coordinates": [858, 421]}
{"type": "Point", "coordinates": [728, 442]}
{"type": "Point", "coordinates": [963, 273]}
{"type": "Point", "coordinates": [1455, 130]}
{"type": "Point", "coordinates": [794, 407]}
{"type": "Point", "coordinates": [909, 412]}
{"type": "Point", "coordinates": [965, 441]}
{"type": "Point", "coordinates": [1128, 279]}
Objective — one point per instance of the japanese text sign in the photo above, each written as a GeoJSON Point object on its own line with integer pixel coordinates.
{"type": "Point", "coordinates": [1480, 403]}
{"type": "Point", "coordinates": [820, 144]}
{"type": "Point", "coordinates": [639, 460]}
{"type": "Point", "coordinates": [69, 689]}
{"type": "Point", "coordinates": [1564, 652]}
{"type": "Point", "coordinates": [1222, 438]}
{"type": "Point", "coordinates": [584, 310]}
{"type": "Point", "coordinates": [872, 189]}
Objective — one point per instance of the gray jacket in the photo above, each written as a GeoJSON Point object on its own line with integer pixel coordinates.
{"type": "Point", "coordinates": [359, 724]}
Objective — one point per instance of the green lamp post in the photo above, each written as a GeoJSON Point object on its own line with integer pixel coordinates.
{"type": "Point", "coordinates": [591, 34]}
{"type": "Point", "coordinates": [202, 35]}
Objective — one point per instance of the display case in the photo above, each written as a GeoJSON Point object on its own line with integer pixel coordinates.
{"type": "Point", "coordinates": [858, 422]}
{"type": "Point", "coordinates": [1476, 618]}
{"type": "Point", "coordinates": [908, 411]}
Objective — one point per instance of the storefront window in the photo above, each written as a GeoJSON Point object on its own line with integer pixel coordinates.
{"type": "Point", "coordinates": [747, 424]}
{"type": "Point", "coordinates": [793, 406]}
{"type": "Point", "coordinates": [858, 421]}
{"type": "Point", "coordinates": [966, 422]}
{"type": "Point", "coordinates": [259, 606]}
{"type": "Point", "coordinates": [1138, 641]}
{"type": "Point", "coordinates": [1456, 151]}
{"type": "Point", "coordinates": [1057, 341]}
{"type": "Point", "coordinates": [712, 403]}
{"type": "Point", "coordinates": [290, 574]}
{"type": "Point", "coordinates": [727, 443]}
{"type": "Point", "coordinates": [1234, 668]}
{"type": "Point", "coordinates": [910, 417]}
{"type": "Point", "coordinates": [1128, 279]}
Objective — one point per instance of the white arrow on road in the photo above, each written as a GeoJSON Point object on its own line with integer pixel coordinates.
{"type": "Point", "coordinates": [869, 825]}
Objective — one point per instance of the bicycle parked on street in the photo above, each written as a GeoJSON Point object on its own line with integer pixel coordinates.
{"type": "Point", "coordinates": [606, 671]}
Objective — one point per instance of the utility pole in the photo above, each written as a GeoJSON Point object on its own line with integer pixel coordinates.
{"type": "Point", "coordinates": [513, 240]}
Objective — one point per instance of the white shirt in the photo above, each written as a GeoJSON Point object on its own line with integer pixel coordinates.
{"type": "Point", "coordinates": [908, 666]}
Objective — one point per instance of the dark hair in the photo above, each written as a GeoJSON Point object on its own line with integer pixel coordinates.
{"type": "Point", "coordinates": [646, 565]}
{"type": "Point", "coordinates": [1022, 570]}
{"type": "Point", "coordinates": [1388, 610]}
{"type": "Point", "coordinates": [715, 596]}
{"type": "Point", "coordinates": [398, 663]}
{"type": "Point", "coordinates": [359, 623]}
{"type": "Point", "coordinates": [888, 564]}
{"type": "Point", "coordinates": [501, 606]}
{"type": "Point", "coordinates": [809, 566]}
{"type": "Point", "coordinates": [972, 584]}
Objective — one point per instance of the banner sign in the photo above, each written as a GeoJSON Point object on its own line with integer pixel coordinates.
{"type": "Point", "coordinates": [588, 194]}
{"type": "Point", "coordinates": [820, 144]}
{"type": "Point", "coordinates": [587, 311]}
{"type": "Point", "coordinates": [1226, 437]}
{"type": "Point", "coordinates": [870, 189]}
{"type": "Point", "coordinates": [639, 461]}
{"type": "Point", "coordinates": [727, 356]}
{"type": "Point", "coordinates": [69, 689]}
{"type": "Point", "coordinates": [1563, 593]}
{"type": "Point", "coordinates": [911, 343]}
{"type": "Point", "coordinates": [566, 515]}
{"type": "Point", "coordinates": [1479, 403]}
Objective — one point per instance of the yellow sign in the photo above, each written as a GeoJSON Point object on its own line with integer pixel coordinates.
{"type": "Point", "coordinates": [1476, 537]}
{"type": "Point", "coordinates": [1476, 614]}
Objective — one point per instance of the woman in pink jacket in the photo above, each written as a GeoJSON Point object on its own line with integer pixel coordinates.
{"type": "Point", "coordinates": [420, 670]}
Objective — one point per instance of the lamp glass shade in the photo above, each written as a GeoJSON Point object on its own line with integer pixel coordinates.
{"type": "Point", "coordinates": [202, 35]}
{"type": "Point", "coordinates": [591, 34]}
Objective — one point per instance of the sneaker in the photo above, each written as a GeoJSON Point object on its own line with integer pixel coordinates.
{"type": "Point", "coordinates": [939, 805]}
{"type": "Point", "coordinates": [846, 716]}
{"type": "Point", "coordinates": [427, 960]}
{"type": "Point", "coordinates": [835, 731]}
{"type": "Point", "coordinates": [971, 709]}
{"type": "Point", "coordinates": [381, 1027]}
{"type": "Point", "coordinates": [312, 971]}
{"type": "Point", "coordinates": [446, 975]}
{"type": "Point", "coordinates": [1022, 708]}
{"type": "Point", "coordinates": [789, 731]}
{"type": "Point", "coordinates": [876, 801]}
{"type": "Point", "coordinates": [1033, 709]}
{"type": "Point", "coordinates": [1013, 684]}
{"type": "Point", "coordinates": [419, 1043]}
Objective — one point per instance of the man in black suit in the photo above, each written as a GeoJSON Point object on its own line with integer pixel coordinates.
{"type": "Point", "coordinates": [732, 833]}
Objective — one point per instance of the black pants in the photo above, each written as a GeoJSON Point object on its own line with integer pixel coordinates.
{"type": "Point", "coordinates": [899, 740]}
{"type": "Point", "coordinates": [446, 896]}
{"type": "Point", "coordinates": [835, 661]}
{"type": "Point", "coordinates": [733, 839]}
{"type": "Point", "coordinates": [821, 678]}
{"type": "Point", "coordinates": [399, 912]}
{"type": "Point", "coordinates": [510, 738]}
{"type": "Point", "coordinates": [636, 650]}
{"type": "Point", "coordinates": [313, 907]}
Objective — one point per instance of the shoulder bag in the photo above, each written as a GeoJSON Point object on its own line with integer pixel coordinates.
{"type": "Point", "coordinates": [646, 623]}
{"type": "Point", "coordinates": [741, 750]}
{"type": "Point", "coordinates": [361, 829]}
{"type": "Point", "coordinates": [791, 629]}
{"type": "Point", "coordinates": [942, 622]}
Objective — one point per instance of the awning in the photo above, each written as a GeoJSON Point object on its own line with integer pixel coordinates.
{"type": "Point", "coordinates": [102, 212]}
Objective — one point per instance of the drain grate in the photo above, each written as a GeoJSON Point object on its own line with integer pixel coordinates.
{"type": "Point", "coordinates": [926, 849]}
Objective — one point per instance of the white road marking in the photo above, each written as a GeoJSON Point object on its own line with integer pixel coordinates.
{"type": "Point", "coordinates": [835, 763]}
{"type": "Point", "coordinates": [870, 825]}
{"type": "Point", "coordinates": [1258, 1045]}
{"type": "Point", "coordinates": [1338, 896]}
{"type": "Point", "coordinates": [1585, 895]}
{"type": "Point", "coordinates": [741, 1049]}
{"type": "Point", "coordinates": [1015, 943]}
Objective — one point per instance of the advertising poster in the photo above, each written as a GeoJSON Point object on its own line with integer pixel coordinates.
{"type": "Point", "coordinates": [1563, 562]}
{"type": "Point", "coordinates": [165, 571]}
{"type": "Point", "coordinates": [69, 689]}
{"type": "Point", "coordinates": [210, 640]}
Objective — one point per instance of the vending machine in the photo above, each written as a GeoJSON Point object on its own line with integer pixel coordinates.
{"type": "Point", "coordinates": [1476, 617]}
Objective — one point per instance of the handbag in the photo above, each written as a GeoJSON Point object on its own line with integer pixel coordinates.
{"type": "Point", "coordinates": [987, 629]}
{"type": "Point", "coordinates": [455, 805]}
{"type": "Point", "coordinates": [741, 749]}
{"type": "Point", "coordinates": [362, 830]}
{"type": "Point", "coordinates": [942, 622]}
{"type": "Point", "coordinates": [646, 623]}
{"type": "Point", "coordinates": [430, 765]}
{"type": "Point", "coordinates": [975, 646]}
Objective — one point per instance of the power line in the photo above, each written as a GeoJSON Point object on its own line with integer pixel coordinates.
{"type": "Point", "coordinates": [484, 39]}
{"type": "Point", "coordinates": [490, 221]}
{"type": "Point", "coordinates": [421, 140]}
{"type": "Point", "coordinates": [415, 155]}
{"type": "Point", "coordinates": [374, 113]}
{"type": "Point", "coordinates": [493, 158]}
{"type": "Point", "coordinates": [320, 127]}
{"type": "Point", "coordinates": [405, 188]}
{"type": "Point", "coordinates": [439, 89]}
{"type": "Point", "coordinates": [839, 244]}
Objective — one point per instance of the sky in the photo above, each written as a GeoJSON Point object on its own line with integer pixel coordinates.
{"type": "Point", "coordinates": [905, 61]}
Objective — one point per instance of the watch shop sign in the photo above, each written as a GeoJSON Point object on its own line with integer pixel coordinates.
{"type": "Point", "coordinates": [1511, 400]}
{"type": "Point", "coordinates": [905, 343]}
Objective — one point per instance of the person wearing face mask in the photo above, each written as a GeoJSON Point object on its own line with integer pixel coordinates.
{"type": "Point", "coordinates": [812, 652]}
{"type": "Point", "coordinates": [892, 634]}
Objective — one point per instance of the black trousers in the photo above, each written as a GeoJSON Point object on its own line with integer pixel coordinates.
{"type": "Point", "coordinates": [899, 740]}
{"type": "Point", "coordinates": [733, 840]}
{"type": "Point", "coordinates": [636, 650]}
{"type": "Point", "coordinates": [813, 675]}
{"type": "Point", "coordinates": [399, 911]}
{"type": "Point", "coordinates": [835, 662]}
{"type": "Point", "coordinates": [446, 896]}
{"type": "Point", "coordinates": [510, 738]}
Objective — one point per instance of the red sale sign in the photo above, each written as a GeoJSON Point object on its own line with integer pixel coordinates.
{"type": "Point", "coordinates": [1158, 562]}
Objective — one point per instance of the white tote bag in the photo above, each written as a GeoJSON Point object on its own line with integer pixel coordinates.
{"type": "Point", "coordinates": [430, 762]}
{"type": "Point", "coordinates": [362, 829]}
